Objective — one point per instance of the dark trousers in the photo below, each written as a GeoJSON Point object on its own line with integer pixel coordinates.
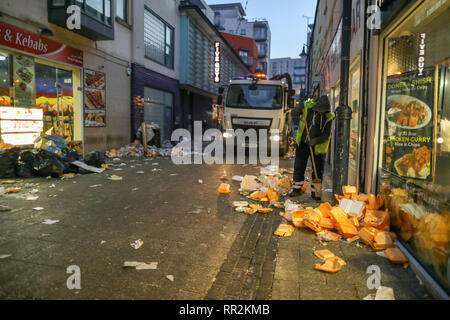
{"type": "Point", "coordinates": [302, 154]}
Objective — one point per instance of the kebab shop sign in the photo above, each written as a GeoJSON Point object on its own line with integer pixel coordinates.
{"type": "Point", "coordinates": [23, 40]}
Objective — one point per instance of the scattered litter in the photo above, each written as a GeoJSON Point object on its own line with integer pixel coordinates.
{"type": "Point", "coordinates": [44, 235]}
{"type": "Point", "coordinates": [34, 191]}
{"type": "Point", "coordinates": [328, 236]}
{"type": "Point", "coordinates": [2, 191]}
{"type": "Point", "coordinates": [137, 244]}
{"type": "Point", "coordinates": [4, 256]}
{"type": "Point", "coordinates": [38, 208]}
{"type": "Point", "coordinates": [395, 255]}
{"type": "Point", "coordinates": [12, 190]}
{"type": "Point", "coordinates": [86, 167]}
{"type": "Point", "coordinates": [173, 174]}
{"type": "Point", "coordinates": [32, 198]}
{"type": "Point", "coordinates": [140, 172]}
{"type": "Point", "coordinates": [200, 181]}
{"type": "Point", "coordinates": [170, 277]}
{"type": "Point", "coordinates": [141, 265]}
{"type": "Point", "coordinates": [50, 222]}
{"type": "Point", "coordinates": [224, 188]}
{"type": "Point", "coordinates": [329, 190]}
{"type": "Point", "coordinates": [67, 176]}
{"type": "Point", "coordinates": [118, 169]}
{"type": "Point", "coordinates": [385, 293]}
{"type": "Point", "coordinates": [240, 204]}
{"type": "Point", "coordinates": [96, 186]}
{"type": "Point", "coordinates": [52, 186]}
{"type": "Point", "coordinates": [381, 254]}
{"type": "Point", "coordinates": [284, 230]}
{"type": "Point", "coordinates": [115, 178]}
{"type": "Point", "coordinates": [196, 211]}
{"type": "Point", "coordinates": [155, 164]}
{"type": "Point", "coordinates": [154, 170]}
{"type": "Point", "coordinates": [4, 208]}
{"type": "Point", "coordinates": [237, 178]}
{"type": "Point", "coordinates": [9, 182]}
{"type": "Point", "coordinates": [135, 189]}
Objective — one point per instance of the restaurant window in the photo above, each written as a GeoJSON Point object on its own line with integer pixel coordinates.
{"type": "Point", "coordinates": [38, 96]}
{"type": "Point", "coordinates": [122, 10]}
{"type": "Point", "coordinates": [415, 144]}
{"type": "Point", "coordinates": [158, 39]}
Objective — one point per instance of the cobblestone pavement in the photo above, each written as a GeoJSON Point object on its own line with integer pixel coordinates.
{"type": "Point", "coordinates": [187, 227]}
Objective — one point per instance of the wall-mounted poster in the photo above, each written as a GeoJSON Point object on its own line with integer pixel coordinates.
{"type": "Point", "coordinates": [94, 99]}
{"type": "Point", "coordinates": [24, 82]}
{"type": "Point", "coordinates": [409, 123]}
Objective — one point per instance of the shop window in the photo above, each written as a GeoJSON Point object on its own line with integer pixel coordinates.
{"type": "Point", "coordinates": [415, 146]}
{"type": "Point", "coordinates": [158, 39]}
{"type": "Point", "coordinates": [354, 105]}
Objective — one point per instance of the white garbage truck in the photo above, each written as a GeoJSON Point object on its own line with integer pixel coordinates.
{"type": "Point", "coordinates": [256, 103]}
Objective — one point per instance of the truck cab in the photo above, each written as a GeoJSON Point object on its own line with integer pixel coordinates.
{"type": "Point", "coordinates": [256, 103]}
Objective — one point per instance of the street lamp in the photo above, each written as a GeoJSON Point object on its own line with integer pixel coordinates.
{"type": "Point", "coordinates": [303, 54]}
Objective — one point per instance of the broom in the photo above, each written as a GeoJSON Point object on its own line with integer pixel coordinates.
{"type": "Point", "coordinates": [317, 182]}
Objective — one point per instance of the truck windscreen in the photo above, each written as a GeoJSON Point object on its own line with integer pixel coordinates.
{"type": "Point", "coordinates": [262, 97]}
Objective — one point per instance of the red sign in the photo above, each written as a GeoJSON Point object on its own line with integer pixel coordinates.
{"type": "Point", "coordinates": [23, 40]}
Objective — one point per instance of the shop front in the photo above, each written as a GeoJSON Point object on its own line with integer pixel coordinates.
{"type": "Point", "coordinates": [414, 137]}
{"type": "Point", "coordinates": [40, 82]}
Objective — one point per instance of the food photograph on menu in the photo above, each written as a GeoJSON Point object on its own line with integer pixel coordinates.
{"type": "Point", "coordinates": [94, 98]}
{"type": "Point", "coordinates": [409, 122]}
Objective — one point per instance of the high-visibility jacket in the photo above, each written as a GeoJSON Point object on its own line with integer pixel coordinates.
{"type": "Point", "coordinates": [318, 148]}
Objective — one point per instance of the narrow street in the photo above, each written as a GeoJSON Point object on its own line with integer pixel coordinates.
{"type": "Point", "coordinates": [187, 227]}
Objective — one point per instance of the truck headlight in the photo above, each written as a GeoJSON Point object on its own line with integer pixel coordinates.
{"type": "Point", "coordinates": [275, 138]}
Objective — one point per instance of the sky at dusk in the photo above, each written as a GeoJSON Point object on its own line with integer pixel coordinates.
{"type": "Point", "coordinates": [287, 25]}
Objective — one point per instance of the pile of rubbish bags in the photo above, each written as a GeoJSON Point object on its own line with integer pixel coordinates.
{"type": "Point", "coordinates": [49, 157]}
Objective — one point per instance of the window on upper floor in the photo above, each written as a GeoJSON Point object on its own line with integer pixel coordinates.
{"type": "Point", "coordinates": [122, 10]}
{"type": "Point", "coordinates": [158, 39]}
{"type": "Point", "coordinates": [98, 9]}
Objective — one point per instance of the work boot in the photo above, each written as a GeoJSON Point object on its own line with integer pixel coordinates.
{"type": "Point", "coordinates": [295, 192]}
{"type": "Point", "coordinates": [313, 195]}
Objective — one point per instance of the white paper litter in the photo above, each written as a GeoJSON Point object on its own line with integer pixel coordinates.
{"type": "Point", "coordinates": [173, 174]}
{"type": "Point", "coordinates": [381, 254]}
{"type": "Point", "coordinates": [102, 242]}
{"type": "Point", "coordinates": [352, 208]}
{"type": "Point", "coordinates": [137, 244]}
{"type": "Point", "coordinates": [240, 209]}
{"type": "Point", "coordinates": [385, 293]}
{"type": "Point", "coordinates": [237, 178]}
{"type": "Point", "coordinates": [34, 191]}
{"type": "Point", "coordinates": [118, 169]}
{"type": "Point", "coordinates": [155, 164]}
{"type": "Point", "coordinates": [49, 222]}
{"type": "Point", "coordinates": [240, 204]}
{"type": "Point", "coordinates": [96, 186]}
{"type": "Point", "coordinates": [156, 170]}
{"type": "Point", "coordinates": [140, 172]}
{"type": "Point", "coordinates": [32, 198]}
{"type": "Point", "coordinates": [170, 277]}
{"type": "Point", "coordinates": [38, 208]}
{"type": "Point", "coordinates": [84, 166]}
{"type": "Point", "coordinates": [135, 189]}
{"type": "Point", "coordinates": [141, 265]}
{"type": "Point", "coordinates": [52, 186]}
{"type": "Point", "coordinates": [200, 181]}
{"type": "Point", "coordinates": [115, 178]}
{"type": "Point", "coordinates": [4, 256]}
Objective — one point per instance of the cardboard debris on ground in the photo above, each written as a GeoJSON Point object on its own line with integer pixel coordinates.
{"type": "Point", "coordinates": [284, 230]}
{"type": "Point", "coordinates": [396, 255]}
{"type": "Point", "coordinates": [328, 236]}
{"type": "Point", "coordinates": [332, 263]}
{"type": "Point", "coordinates": [115, 178]}
{"type": "Point", "coordinates": [12, 190]}
{"type": "Point", "coordinates": [224, 188]}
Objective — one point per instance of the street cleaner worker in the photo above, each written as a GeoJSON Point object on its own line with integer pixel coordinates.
{"type": "Point", "coordinates": [319, 119]}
